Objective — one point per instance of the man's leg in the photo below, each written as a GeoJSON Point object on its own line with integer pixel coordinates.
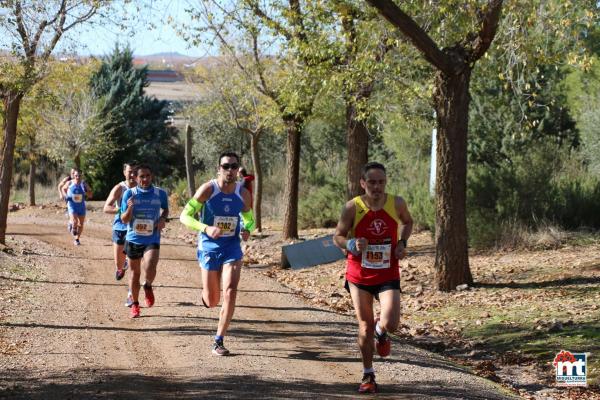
{"type": "Point", "coordinates": [231, 278]}
{"type": "Point", "coordinates": [211, 287]}
{"type": "Point", "coordinates": [363, 306]}
{"type": "Point", "coordinates": [80, 222]}
{"type": "Point", "coordinates": [119, 255]}
{"type": "Point", "coordinates": [149, 263]}
{"type": "Point", "coordinates": [134, 278]}
{"type": "Point", "coordinates": [389, 319]}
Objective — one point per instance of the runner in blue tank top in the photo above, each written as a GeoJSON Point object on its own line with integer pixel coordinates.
{"type": "Point", "coordinates": [75, 194]}
{"type": "Point", "coordinates": [144, 209]}
{"type": "Point", "coordinates": [113, 206]}
{"type": "Point", "coordinates": [225, 214]}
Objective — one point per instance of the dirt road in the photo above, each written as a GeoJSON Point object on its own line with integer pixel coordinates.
{"type": "Point", "coordinates": [70, 336]}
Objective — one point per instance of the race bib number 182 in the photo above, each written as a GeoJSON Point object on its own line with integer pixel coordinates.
{"type": "Point", "coordinates": [143, 227]}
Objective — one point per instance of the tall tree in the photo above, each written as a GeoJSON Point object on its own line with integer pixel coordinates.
{"type": "Point", "coordinates": [467, 33]}
{"type": "Point", "coordinates": [34, 28]}
{"type": "Point", "coordinates": [282, 75]}
{"type": "Point", "coordinates": [131, 123]}
{"type": "Point", "coordinates": [237, 107]}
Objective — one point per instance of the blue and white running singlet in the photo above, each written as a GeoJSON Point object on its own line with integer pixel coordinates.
{"type": "Point", "coordinates": [76, 198]}
{"type": "Point", "coordinates": [119, 225]}
{"type": "Point", "coordinates": [223, 211]}
{"type": "Point", "coordinates": [147, 205]}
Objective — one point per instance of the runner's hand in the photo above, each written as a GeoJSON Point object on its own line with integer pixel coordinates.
{"type": "Point", "coordinates": [213, 232]}
{"type": "Point", "coordinates": [400, 251]}
{"type": "Point", "coordinates": [361, 244]}
{"type": "Point", "coordinates": [245, 234]}
{"type": "Point", "coordinates": [161, 224]}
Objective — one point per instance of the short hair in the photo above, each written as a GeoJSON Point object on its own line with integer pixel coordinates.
{"type": "Point", "coordinates": [369, 166]}
{"type": "Point", "coordinates": [229, 154]}
{"type": "Point", "coordinates": [143, 166]}
{"type": "Point", "coordinates": [129, 164]}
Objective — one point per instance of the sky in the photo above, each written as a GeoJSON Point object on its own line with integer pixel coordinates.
{"type": "Point", "coordinates": [100, 39]}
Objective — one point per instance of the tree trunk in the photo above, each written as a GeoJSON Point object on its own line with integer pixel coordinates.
{"type": "Point", "coordinates": [451, 98]}
{"type": "Point", "coordinates": [257, 180]}
{"type": "Point", "coordinates": [11, 102]}
{"type": "Point", "coordinates": [290, 215]}
{"type": "Point", "coordinates": [189, 167]}
{"type": "Point", "coordinates": [32, 182]}
{"type": "Point", "coordinates": [77, 160]}
{"type": "Point", "coordinates": [357, 139]}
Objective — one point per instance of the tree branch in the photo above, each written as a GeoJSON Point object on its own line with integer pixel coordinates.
{"type": "Point", "coordinates": [270, 22]}
{"type": "Point", "coordinates": [419, 38]}
{"type": "Point", "coordinates": [489, 27]}
{"type": "Point", "coordinates": [21, 29]}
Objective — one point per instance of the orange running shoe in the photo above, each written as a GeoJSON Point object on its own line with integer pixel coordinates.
{"type": "Point", "coordinates": [135, 310]}
{"type": "Point", "coordinates": [149, 295]}
{"type": "Point", "coordinates": [368, 384]}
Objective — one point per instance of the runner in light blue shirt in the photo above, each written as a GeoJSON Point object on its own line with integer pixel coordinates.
{"type": "Point", "coordinates": [144, 209]}
{"type": "Point", "coordinates": [75, 194]}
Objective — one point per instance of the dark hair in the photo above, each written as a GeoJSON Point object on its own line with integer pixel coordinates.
{"type": "Point", "coordinates": [143, 166]}
{"type": "Point", "coordinates": [129, 164]}
{"type": "Point", "coordinates": [229, 154]}
{"type": "Point", "coordinates": [369, 166]}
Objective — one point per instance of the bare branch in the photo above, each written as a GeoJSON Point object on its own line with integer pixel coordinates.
{"type": "Point", "coordinates": [419, 38]}
{"type": "Point", "coordinates": [21, 29]}
{"type": "Point", "coordinates": [489, 27]}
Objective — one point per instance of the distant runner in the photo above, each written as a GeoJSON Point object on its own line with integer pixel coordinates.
{"type": "Point", "coordinates": [113, 206]}
{"type": "Point", "coordinates": [64, 183]}
{"type": "Point", "coordinates": [144, 209]}
{"type": "Point", "coordinates": [75, 193]}
{"type": "Point", "coordinates": [221, 203]}
{"type": "Point", "coordinates": [368, 230]}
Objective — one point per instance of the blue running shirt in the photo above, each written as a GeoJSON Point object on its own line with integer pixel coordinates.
{"type": "Point", "coordinates": [76, 198]}
{"type": "Point", "coordinates": [119, 225]}
{"type": "Point", "coordinates": [147, 205]}
{"type": "Point", "coordinates": [222, 210]}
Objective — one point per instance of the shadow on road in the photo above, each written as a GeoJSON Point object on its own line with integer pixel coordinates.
{"type": "Point", "coordinates": [119, 384]}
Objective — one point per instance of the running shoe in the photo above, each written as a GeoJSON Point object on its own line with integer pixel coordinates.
{"type": "Point", "coordinates": [70, 227]}
{"type": "Point", "coordinates": [149, 295]}
{"type": "Point", "coordinates": [383, 344]}
{"type": "Point", "coordinates": [135, 310]}
{"type": "Point", "coordinates": [368, 384]}
{"type": "Point", "coordinates": [129, 301]}
{"type": "Point", "coordinates": [119, 274]}
{"type": "Point", "coordinates": [218, 349]}
{"type": "Point", "coordinates": [77, 242]}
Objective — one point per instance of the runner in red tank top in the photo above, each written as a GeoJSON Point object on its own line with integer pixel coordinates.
{"type": "Point", "coordinates": [374, 229]}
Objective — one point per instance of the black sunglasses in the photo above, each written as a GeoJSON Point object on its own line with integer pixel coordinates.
{"type": "Point", "coordinates": [227, 167]}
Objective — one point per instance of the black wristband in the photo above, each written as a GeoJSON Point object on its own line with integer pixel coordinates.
{"type": "Point", "coordinates": [404, 242]}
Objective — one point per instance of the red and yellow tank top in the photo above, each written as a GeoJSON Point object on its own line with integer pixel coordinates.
{"type": "Point", "coordinates": [377, 263]}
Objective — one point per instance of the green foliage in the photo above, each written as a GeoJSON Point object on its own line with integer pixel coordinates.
{"type": "Point", "coordinates": [130, 124]}
{"type": "Point", "coordinates": [321, 203]}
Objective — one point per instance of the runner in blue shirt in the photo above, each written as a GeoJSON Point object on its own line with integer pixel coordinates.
{"type": "Point", "coordinates": [225, 214]}
{"type": "Point", "coordinates": [113, 206]}
{"type": "Point", "coordinates": [144, 209]}
{"type": "Point", "coordinates": [75, 194]}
